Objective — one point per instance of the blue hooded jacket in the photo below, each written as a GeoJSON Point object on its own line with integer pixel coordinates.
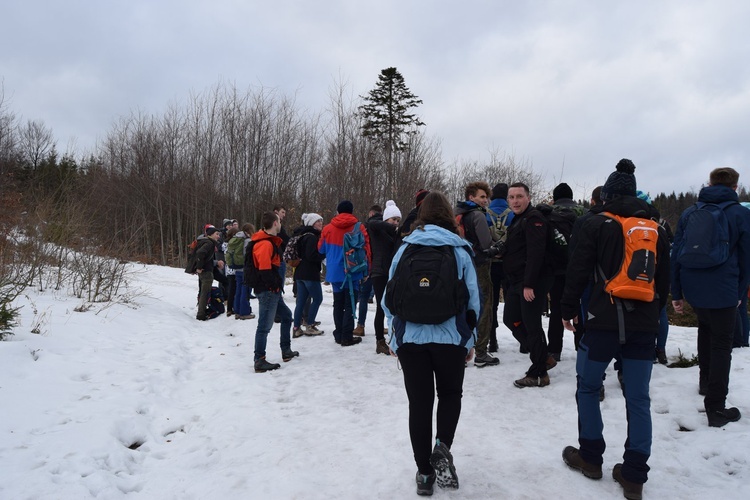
{"type": "Point", "coordinates": [455, 330]}
{"type": "Point", "coordinates": [499, 205]}
{"type": "Point", "coordinates": [721, 286]}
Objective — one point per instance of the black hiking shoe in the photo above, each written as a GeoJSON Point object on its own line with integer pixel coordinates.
{"type": "Point", "coordinates": [660, 356]}
{"type": "Point", "coordinates": [720, 418]}
{"type": "Point", "coordinates": [289, 355]}
{"type": "Point", "coordinates": [486, 359]}
{"type": "Point", "coordinates": [573, 459]}
{"type": "Point", "coordinates": [353, 341]}
{"type": "Point", "coordinates": [425, 484]}
{"type": "Point", "coordinates": [262, 366]}
{"type": "Point", "coordinates": [442, 460]}
{"type": "Point", "coordinates": [492, 347]}
{"type": "Point", "coordinates": [631, 490]}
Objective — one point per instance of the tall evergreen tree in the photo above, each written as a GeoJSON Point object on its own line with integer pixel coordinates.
{"type": "Point", "coordinates": [387, 119]}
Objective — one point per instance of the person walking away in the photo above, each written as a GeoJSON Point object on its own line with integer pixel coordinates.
{"type": "Point", "coordinates": [616, 325]}
{"type": "Point", "coordinates": [433, 355]}
{"type": "Point", "coordinates": [237, 248]}
{"type": "Point", "coordinates": [713, 278]}
{"type": "Point", "coordinates": [502, 217]}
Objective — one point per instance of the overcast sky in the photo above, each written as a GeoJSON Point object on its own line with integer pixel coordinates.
{"type": "Point", "coordinates": [569, 86]}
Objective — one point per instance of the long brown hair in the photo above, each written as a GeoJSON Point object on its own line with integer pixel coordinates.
{"type": "Point", "coordinates": [436, 209]}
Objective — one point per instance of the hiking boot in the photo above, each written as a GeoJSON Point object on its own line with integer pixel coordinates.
{"type": "Point", "coordinates": [359, 331]}
{"type": "Point", "coordinates": [532, 382]}
{"type": "Point", "coordinates": [425, 484]}
{"type": "Point", "coordinates": [262, 365]}
{"type": "Point", "coordinates": [660, 356]}
{"type": "Point", "coordinates": [555, 356]}
{"type": "Point", "coordinates": [720, 418]}
{"type": "Point", "coordinates": [631, 490]}
{"type": "Point", "coordinates": [297, 332]}
{"type": "Point", "coordinates": [551, 362]}
{"type": "Point", "coordinates": [572, 459]}
{"type": "Point", "coordinates": [353, 341]}
{"type": "Point", "coordinates": [230, 313]}
{"type": "Point", "coordinates": [486, 359]}
{"type": "Point", "coordinates": [442, 460]}
{"type": "Point", "coordinates": [312, 331]}
{"type": "Point", "coordinates": [289, 355]}
{"type": "Point", "coordinates": [245, 316]}
{"type": "Point", "coordinates": [381, 347]}
{"type": "Point", "coordinates": [492, 347]}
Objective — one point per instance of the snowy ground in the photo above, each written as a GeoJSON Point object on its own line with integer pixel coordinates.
{"type": "Point", "coordinates": [145, 402]}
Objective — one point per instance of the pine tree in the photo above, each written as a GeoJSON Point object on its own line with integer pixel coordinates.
{"type": "Point", "coordinates": [387, 119]}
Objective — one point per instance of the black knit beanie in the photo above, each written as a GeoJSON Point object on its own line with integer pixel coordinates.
{"type": "Point", "coordinates": [500, 191]}
{"type": "Point", "coordinates": [561, 191]}
{"type": "Point", "coordinates": [621, 182]}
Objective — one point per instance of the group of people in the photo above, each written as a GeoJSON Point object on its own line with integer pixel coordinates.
{"type": "Point", "coordinates": [505, 246]}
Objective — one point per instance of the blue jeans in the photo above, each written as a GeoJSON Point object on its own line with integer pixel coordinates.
{"type": "Point", "coordinates": [365, 291]}
{"type": "Point", "coordinates": [241, 295]}
{"type": "Point", "coordinates": [307, 289]}
{"type": "Point", "coordinates": [595, 351]}
{"type": "Point", "coordinates": [269, 304]}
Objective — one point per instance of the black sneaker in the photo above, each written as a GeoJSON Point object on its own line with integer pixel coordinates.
{"type": "Point", "coordinates": [353, 341]}
{"type": "Point", "coordinates": [442, 460]}
{"type": "Point", "coordinates": [631, 490]}
{"type": "Point", "coordinates": [720, 418]}
{"type": "Point", "coordinates": [425, 484]}
{"type": "Point", "coordinates": [289, 355]}
{"type": "Point", "coordinates": [262, 365]}
{"type": "Point", "coordinates": [573, 459]}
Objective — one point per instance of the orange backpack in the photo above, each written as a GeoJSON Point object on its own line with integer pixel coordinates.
{"type": "Point", "coordinates": [635, 278]}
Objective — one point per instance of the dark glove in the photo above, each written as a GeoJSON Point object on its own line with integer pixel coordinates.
{"type": "Point", "coordinates": [471, 318]}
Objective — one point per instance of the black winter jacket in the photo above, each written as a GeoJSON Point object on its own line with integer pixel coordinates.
{"type": "Point", "coordinates": [523, 260]}
{"type": "Point", "coordinates": [310, 258]}
{"type": "Point", "coordinates": [599, 242]}
{"type": "Point", "coordinates": [205, 253]}
{"type": "Point", "coordinates": [384, 240]}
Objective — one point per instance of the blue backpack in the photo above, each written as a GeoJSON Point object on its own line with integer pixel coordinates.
{"type": "Point", "coordinates": [705, 239]}
{"type": "Point", "coordinates": [355, 259]}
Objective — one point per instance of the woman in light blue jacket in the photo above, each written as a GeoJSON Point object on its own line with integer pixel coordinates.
{"type": "Point", "coordinates": [433, 356]}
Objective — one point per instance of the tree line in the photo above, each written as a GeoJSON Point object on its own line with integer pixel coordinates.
{"type": "Point", "coordinates": [154, 180]}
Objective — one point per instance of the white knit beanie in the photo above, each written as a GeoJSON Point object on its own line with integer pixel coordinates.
{"type": "Point", "coordinates": [391, 210]}
{"type": "Point", "coordinates": [311, 218]}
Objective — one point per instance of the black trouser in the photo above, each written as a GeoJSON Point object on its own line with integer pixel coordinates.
{"type": "Point", "coordinates": [524, 319]}
{"type": "Point", "coordinates": [427, 367]}
{"type": "Point", "coordinates": [343, 315]}
{"type": "Point", "coordinates": [496, 275]}
{"type": "Point", "coordinates": [555, 329]}
{"type": "Point", "coordinates": [231, 289]}
{"type": "Point", "coordinates": [715, 333]}
{"type": "Point", "coordinates": [378, 284]}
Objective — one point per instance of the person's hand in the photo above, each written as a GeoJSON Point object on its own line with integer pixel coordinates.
{"type": "Point", "coordinates": [569, 324]}
{"type": "Point", "coordinates": [470, 355]}
{"type": "Point", "coordinates": [392, 353]}
{"type": "Point", "coordinates": [528, 294]}
{"type": "Point", "coordinates": [678, 306]}
{"type": "Point", "coordinates": [199, 270]}
{"type": "Point", "coordinates": [220, 265]}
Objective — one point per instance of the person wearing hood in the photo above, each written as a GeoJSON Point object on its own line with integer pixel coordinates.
{"type": "Point", "coordinates": [614, 327]}
{"type": "Point", "coordinates": [714, 292]}
{"type": "Point", "coordinates": [331, 244]}
{"type": "Point", "coordinates": [434, 356]}
{"type": "Point", "coordinates": [307, 274]}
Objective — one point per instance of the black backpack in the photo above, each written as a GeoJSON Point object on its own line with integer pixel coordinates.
{"type": "Point", "coordinates": [560, 222]}
{"type": "Point", "coordinates": [425, 287]}
{"type": "Point", "coordinates": [250, 272]}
